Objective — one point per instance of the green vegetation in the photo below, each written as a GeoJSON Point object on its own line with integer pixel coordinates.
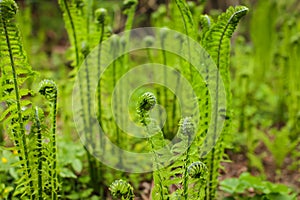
{"type": "Point", "coordinates": [157, 112]}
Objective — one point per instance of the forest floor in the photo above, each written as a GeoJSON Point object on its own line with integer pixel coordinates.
{"type": "Point", "coordinates": [239, 164]}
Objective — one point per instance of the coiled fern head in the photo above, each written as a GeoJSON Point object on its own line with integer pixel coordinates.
{"type": "Point", "coordinates": [147, 102]}
{"type": "Point", "coordinates": [121, 189]}
{"type": "Point", "coordinates": [48, 89]}
{"type": "Point", "coordinates": [100, 14]}
{"type": "Point", "coordinates": [187, 126]}
{"type": "Point", "coordinates": [127, 4]}
{"type": "Point", "coordinates": [149, 41]}
{"type": "Point", "coordinates": [8, 9]}
{"type": "Point", "coordinates": [198, 170]}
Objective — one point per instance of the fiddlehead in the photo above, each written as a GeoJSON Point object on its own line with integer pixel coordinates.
{"type": "Point", "coordinates": [49, 90]}
{"type": "Point", "coordinates": [156, 140]}
{"type": "Point", "coordinates": [187, 129]}
{"type": "Point", "coordinates": [198, 170]}
{"type": "Point", "coordinates": [122, 190]}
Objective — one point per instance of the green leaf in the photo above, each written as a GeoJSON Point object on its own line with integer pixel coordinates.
{"type": "Point", "coordinates": [67, 173]}
{"type": "Point", "coordinates": [77, 165]}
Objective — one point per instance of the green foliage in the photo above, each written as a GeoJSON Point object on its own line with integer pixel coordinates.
{"type": "Point", "coordinates": [15, 70]}
{"type": "Point", "coordinates": [5, 190]}
{"type": "Point", "coordinates": [238, 188]}
{"type": "Point", "coordinates": [265, 85]}
{"type": "Point", "coordinates": [275, 144]}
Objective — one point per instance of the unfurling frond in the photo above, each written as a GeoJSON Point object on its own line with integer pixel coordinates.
{"type": "Point", "coordinates": [122, 190]}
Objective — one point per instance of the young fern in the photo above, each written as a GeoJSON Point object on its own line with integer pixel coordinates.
{"type": "Point", "coordinates": [37, 124]}
{"type": "Point", "coordinates": [188, 129]}
{"type": "Point", "coordinates": [100, 14]}
{"type": "Point", "coordinates": [187, 18]}
{"type": "Point", "coordinates": [163, 35]}
{"type": "Point", "coordinates": [74, 22]}
{"type": "Point", "coordinates": [179, 170]}
{"type": "Point", "coordinates": [189, 26]}
{"type": "Point", "coordinates": [83, 34]}
{"type": "Point", "coordinates": [15, 70]}
{"type": "Point", "coordinates": [120, 189]}
{"type": "Point", "coordinates": [156, 140]}
{"type": "Point", "coordinates": [216, 40]}
{"type": "Point", "coordinates": [49, 90]}
{"type": "Point", "coordinates": [129, 7]}
{"type": "Point", "coordinates": [198, 171]}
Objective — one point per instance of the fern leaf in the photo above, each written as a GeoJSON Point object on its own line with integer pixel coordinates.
{"type": "Point", "coordinates": [187, 18]}
{"type": "Point", "coordinates": [216, 40]}
{"type": "Point", "coordinates": [74, 21]}
{"type": "Point", "coordinates": [15, 70]}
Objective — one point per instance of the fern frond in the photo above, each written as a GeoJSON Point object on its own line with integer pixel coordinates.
{"type": "Point", "coordinates": [122, 190]}
{"type": "Point", "coordinates": [15, 70]}
{"type": "Point", "coordinates": [49, 89]}
{"type": "Point", "coordinates": [216, 40]}
{"type": "Point", "coordinates": [187, 18]}
{"type": "Point", "coordinates": [74, 21]}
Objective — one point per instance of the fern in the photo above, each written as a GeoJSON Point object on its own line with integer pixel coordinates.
{"type": "Point", "coordinates": [87, 30]}
{"type": "Point", "coordinates": [73, 17]}
{"type": "Point", "coordinates": [15, 70]}
{"type": "Point", "coordinates": [216, 40]}
{"type": "Point", "coordinates": [187, 18]}
{"type": "Point", "coordinates": [49, 89]}
{"type": "Point", "coordinates": [122, 190]}
{"type": "Point", "coordinates": [156, 141]}
{"type": "Point", "coordinates": [37, 123]}
{"type": "Point", "coordinates": [197, 172]}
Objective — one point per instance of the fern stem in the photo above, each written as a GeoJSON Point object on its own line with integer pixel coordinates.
{"type": "Point", "coordinates": [40, 154]}
{"type": "Point", "coordinates": [48, 88]}
{"type": "Point", "coordinates": [185, 174]}
{"type": "Point", "coordinates": [99, 95]}
{"type": "Point", "coordinates": [101, 19]}
{"type": "Point", "coordinates": [19, 111]}
{"type": "Point", "coordinates": [156, 158]}
{"type": "Point", "coordinates": [54, 151]}
{"type": "Point", "coordinates": [73, 31]}
{"type": "Point", "coordinates": [92, 162]}
{"type": "Point", "coordinates": [162, 43]}
{"type": "Point", "coordinates": [147, 102]}
{"type": "Point", "coordinates": [187, 128]}
{"type": "Point", "coordinates": [119, 138]}
{"type": "Point", "coordinates": [188, 25]}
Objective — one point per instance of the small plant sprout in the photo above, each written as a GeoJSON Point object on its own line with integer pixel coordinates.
{"type": "Point", "coordinates": [187, 129]}
{"type": "Point", "coordinates": [198, 170]}
{"type": "Point", "coordinates": [8, 9]}
{"type": "Point", "coordinates": [156, 140]}
{"type": "Point", "coordinates": [146, 102]}
{"type": "Point", "coordinates": [120, 189]}
{"type": "Point", "coordinates": [48, 89]}
{"type": "Point", "coordinates": [100, 14]}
